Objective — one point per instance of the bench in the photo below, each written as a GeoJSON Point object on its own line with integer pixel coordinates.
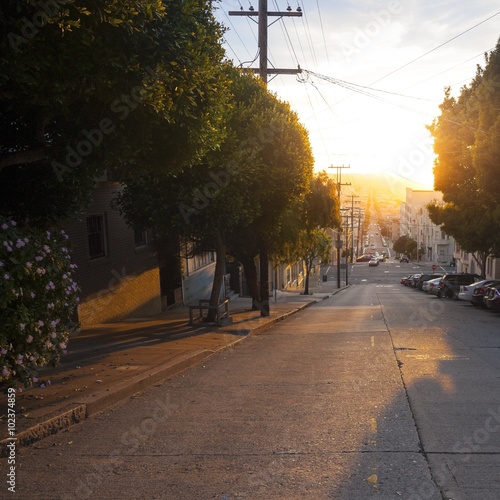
{"type": "Point", "coordinates": [222, 310]}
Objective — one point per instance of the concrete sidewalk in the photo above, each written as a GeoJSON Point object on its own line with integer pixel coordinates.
{"type": "Point", "coordinates": [108, 363]}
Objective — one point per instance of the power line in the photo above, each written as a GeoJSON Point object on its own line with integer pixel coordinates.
{"type": "Point", "coordinates": [323, 31]}
{"type": "Point", "coordinates": [436, 48]}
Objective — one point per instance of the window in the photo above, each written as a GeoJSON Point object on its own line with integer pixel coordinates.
{"type": "Point", "coordinates": [140, 238]}
{"type": "Point", "coordinates": [96, 236]}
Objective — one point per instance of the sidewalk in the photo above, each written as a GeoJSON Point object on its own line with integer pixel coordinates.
{"type": "Point", "coordinates": [110, 362]}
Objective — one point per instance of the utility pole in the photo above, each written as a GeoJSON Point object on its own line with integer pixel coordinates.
{"type": "Point", "coordinates": [338, 244]}
{"type": "Point", "coordinates": [263, 71]}
{"type": "Point", "coordinates": [352, 196]}
{"type": "Point", "coordinates": [262, 14]}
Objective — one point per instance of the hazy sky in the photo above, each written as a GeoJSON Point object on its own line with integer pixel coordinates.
{"type": "Point", "coordinates": [411, 48]}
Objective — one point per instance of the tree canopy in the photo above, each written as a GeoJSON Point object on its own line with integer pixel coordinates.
{"type": "Point", "coordinates": [235, 198]}
{"type": "Point", "coordinates": [87, 86]}
{"type": "Point", "coordinates": [467, 170]}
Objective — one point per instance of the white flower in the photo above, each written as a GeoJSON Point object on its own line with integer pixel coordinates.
{"type": "Point", "coordinates": [6, 277]}
{"type": "Point", "coordinates": [1, 263]}
{"type": "Point", "coordinates": [29, 339]}
{"type": "Point", "coordinates": [20, 243]}
{"type": "Point", "coordinates": [22, 326]}
{"type": "Point", "coordinates": [5, 226]}
{"type": "Point", "coordinates": [13, 223]}
{"type": "Point", "coordinates": [41, 323]}
{"type": "Point", "coordinates": [29, 265]}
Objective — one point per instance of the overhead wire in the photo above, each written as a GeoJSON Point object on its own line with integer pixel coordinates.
{"type": "Point", "coordinates": [323, 31]}
{"type": "Point", "coordinates": [435, 48]}
{"type": "Point", "coordinates": [307, 31]}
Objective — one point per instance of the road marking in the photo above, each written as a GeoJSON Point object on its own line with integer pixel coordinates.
{"type": "Point", "coordinates": [373, 478]}
{"type": "Point", "coordinates": [437, 357]}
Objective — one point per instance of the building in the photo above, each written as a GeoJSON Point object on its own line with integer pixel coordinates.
{"type": "Point", "coordinates": [416, 223]}
{"type": "Point", "coordinates": [117, 271]}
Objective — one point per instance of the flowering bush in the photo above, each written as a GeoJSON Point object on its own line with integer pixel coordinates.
{"type": "Point", "coordinates": [37, 298]}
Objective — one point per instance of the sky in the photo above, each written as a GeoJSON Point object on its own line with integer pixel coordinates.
{"type": "Point", "coordinates": [376, 72]}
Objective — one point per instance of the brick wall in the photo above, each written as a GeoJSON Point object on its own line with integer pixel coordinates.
{"type": "Point", "coordinates": [133, 296]}
{"type": "Point", "coordinates": [126, 279]}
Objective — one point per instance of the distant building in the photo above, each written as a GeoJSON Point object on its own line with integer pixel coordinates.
{"type": "Point", "coordinates": [416, 223]}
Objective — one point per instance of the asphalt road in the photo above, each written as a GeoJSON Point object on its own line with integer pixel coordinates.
{"type": "Point", "coordinates": [379, 392]}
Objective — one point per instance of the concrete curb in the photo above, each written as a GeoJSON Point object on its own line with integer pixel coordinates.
{"type": "Point", "coordinates": [121, 391]}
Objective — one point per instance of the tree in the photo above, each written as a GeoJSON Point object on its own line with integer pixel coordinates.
{"type": "Point", "coordinates": [399, 245]}
{"type": "Point", "coordinates": [319, 210]}
{"type": "Point", "coordinates": [239, 191]}
{"type": "Point", "coordinates": [466, 137]}
{"type": "Point", "coordinates": [284, 162]}
{"type": "Point", "coordinates": [132, 87]}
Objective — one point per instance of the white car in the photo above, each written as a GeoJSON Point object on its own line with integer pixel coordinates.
{"type": "Point", "coordinates": [466, 291]}
{"type": "Point", "coordinates": [431, 286]}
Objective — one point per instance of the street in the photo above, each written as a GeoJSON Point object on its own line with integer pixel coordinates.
{"type": "Point", "coordinates": [380, 391]}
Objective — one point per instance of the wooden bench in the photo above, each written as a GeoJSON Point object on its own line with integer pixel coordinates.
{"type": "Point", "coordinates": [221, 310]}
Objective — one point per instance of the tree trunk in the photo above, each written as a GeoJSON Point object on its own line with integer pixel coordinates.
{"type": "Point", "coordinates": [220, 248]}
{"type": "Point", "coordinates": [264, 282]}
{"type": "Point", "coordinates": [308, 270]}
{"type": "Point", "coordinates": [250, 270]}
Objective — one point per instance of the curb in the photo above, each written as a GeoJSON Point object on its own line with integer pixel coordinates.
{"type": "Point", "coordinates": [121, 391]}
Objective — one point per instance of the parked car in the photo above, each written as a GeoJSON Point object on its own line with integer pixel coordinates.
{"type": "Point", "coordinates": [431, 286]}
{"type": "Point", "coordinates": [404, 258]}
{"type": "Point", "coordinates": [412, 280]}
{"type": "Point", "coordinates": [475, 292]}
{"type": "Point", "coordinates": [492, 298]}
{"type": "Point", "coordinates": [449, 285]}
{"type": "Point", "coordinates": [373, 262]}
{"type": "Point", "coordinates": [404, 280]}
{"type": "Point", "coordinates": [427, 277]}
{"type": "Point", "coordinates": [480, 291]}
{"type": "Point", "coordinates": [364, 258]}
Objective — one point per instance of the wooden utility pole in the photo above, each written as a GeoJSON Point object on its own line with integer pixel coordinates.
{"type": "Point", "coordinates": [262, 14]}
{"type": "Point", "coordinates": [263, 71]}
{"type": "Point", "coordinates": [352, 196]}
{"type": "Point", "coordinates": [338, 244]}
